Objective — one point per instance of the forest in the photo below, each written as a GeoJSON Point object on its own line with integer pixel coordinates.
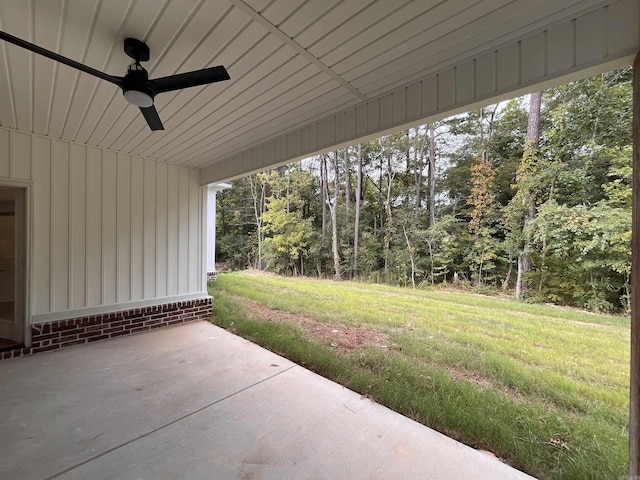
{"type": "Point", "coordinates": [529, 197]}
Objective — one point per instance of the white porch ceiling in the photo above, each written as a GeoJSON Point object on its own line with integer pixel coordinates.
{"type": "Point", "coordinates": [292, 64]}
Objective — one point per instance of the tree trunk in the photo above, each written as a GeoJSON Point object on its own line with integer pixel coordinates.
{"type": "Point", "coordinates": [413, 263]}
{"type": "Point", "coordinates": [347, 183]}
{"type": "Point", "coordinates": [389, 213]}
{"type": "Point", "coordinates": [519, 278]}
{"type": "Point", "coordinates": [419, 167]}
{"type": "Point", "coordinates": [288, 197]}
{"type": "Point", "coordinates": [380, 201]}
{"type": "Point", "coordinates": [507, 278]}
{"type": "Point", "coordinates": [432, 175]}
{"type": "Point", "coordinates": [333, 207]}
{"type": "Point", "coordinates": [258, 210]}
{"type": "Point", "coordinates": [533, 126]}
{"type": "Point", "coordinates": [356, 223]}
{"type": "Point", "coordinates": [525, 263]}
{"type": "Point", "coordinates": [324, 193]}
{"type": "Point", "coordinates": [408, 152]}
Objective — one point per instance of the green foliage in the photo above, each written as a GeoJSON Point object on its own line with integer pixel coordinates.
{"type": "Point", "coordinates": [236, 240]}
{"type": "Point", "coordinates": [288, 233]}
{"type": "Point", "coordinates": [583, 255]}
{"type": "Point", "coordinates": [486, 186]}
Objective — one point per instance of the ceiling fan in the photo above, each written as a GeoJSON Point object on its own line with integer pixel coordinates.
{"type": "Point", "coordinates": [138, 90]}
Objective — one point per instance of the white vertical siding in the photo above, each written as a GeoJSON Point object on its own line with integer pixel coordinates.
{"type": "Point", "coordinates": [108, 228]}
{"type": "Point", "coordinates": [162, 218]}
{"type": "Point", "coordinates": [123, 232]}
{"type": "Point", "coordinates": [79, 232]}
{"type": "Point", "coordinates": [61, 227]}
{"type": "Point", "coordinates": [109, 214]}
{"type": "Point", "coordinates": [149, 232]}
{"type": "Point", "coordinates": [93, 236]}
{"type": "Point", "coordinates": [172, 230]}
{"type": "Point", "coordinates": [194, 271]}
{"type": "Point", "coordinates": [41, 291]}
{"type": "Point", "coordinates": [137, 228]}
{"type": "Point", "coordinates": [183, 229]}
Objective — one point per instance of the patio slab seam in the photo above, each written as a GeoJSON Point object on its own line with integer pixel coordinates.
{"type": "Point", "coordinates": [168, 424]}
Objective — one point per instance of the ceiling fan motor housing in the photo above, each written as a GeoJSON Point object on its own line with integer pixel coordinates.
{"type": "Point", "coordinates": [136, 86]}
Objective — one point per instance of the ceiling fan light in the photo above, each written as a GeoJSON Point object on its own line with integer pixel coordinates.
{"type": "Point", "coordinates": [139, 99]}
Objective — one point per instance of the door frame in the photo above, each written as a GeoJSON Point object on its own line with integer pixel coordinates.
{"type": "Point", "coordinates": [23, 276]}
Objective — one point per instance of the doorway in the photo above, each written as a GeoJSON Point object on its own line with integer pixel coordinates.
{"type": "Point", "coordinates": [12, 267]}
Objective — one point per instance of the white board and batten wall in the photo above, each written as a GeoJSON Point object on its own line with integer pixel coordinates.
{"type": "Point", "coordinates": [108, 231]}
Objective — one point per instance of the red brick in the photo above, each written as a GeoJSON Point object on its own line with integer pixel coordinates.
{"type": "Point", "coordinates": [90, 334]}
{"type": "Point", "coordinates": [70, 336]}
{"type": "Point", "coordinates": [45, 349]}
{"type": "Point", "coordinates": [74, 342]}
{"type": "Point", "coordinates": [47, 336]}
{"type": "Point", "coordinates": [140, 329]}
{"type": "Point", "coordinates": [118, 334]}
{"type": "Point", "coordinates": [113, 329]}
{"type": "Point", "coordinates": [53, 335]}
{"type": "Point", "coordinates": [117, 323]}
{"type": "Point", "coordinates": [63, 328]}
{"type": "Point", "coordinates": [99, 337]}
{"type": "Point", "coordinates": [90, 321]}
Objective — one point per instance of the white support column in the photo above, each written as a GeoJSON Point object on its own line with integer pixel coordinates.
{"type": "Point", "coordinates": [210, 230]}
{"type": "Point", "coordinates": [212, 274]}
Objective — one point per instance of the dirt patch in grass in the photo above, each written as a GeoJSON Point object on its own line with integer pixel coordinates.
{"type": "Point", "coordinates": [340, 336]}
{"type": "Point", "coordinates": [483, 382]}
{"type": "Point", "coordinates": [476, 378]}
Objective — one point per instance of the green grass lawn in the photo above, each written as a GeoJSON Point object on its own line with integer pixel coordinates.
{"type": "Point", "coordinates": [544, 388]}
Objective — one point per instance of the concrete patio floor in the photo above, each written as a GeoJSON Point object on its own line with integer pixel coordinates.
{"type": "Point", "coordinates": [196, 402]}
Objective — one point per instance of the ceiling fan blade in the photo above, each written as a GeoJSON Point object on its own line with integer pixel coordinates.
{"type": "Point", "coordinates": [152, 117]}
{"type": "Point", "coordinates": [190, 79]}
{"type": "Point", "coordinates": [59, 58]}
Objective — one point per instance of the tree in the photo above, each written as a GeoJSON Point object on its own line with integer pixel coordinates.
{"type": "Point", "coordinates": [258, 189]}
{"type": "Point", "coordinates": [333, 209]}
{"type": "Point", "coordinates": [287, 233]}
{"type": "Point", "coordinates": [432, 174]}
{"type": "Point", "coordinates": [356, 223]}
{"type": "Point", "coordinates": [528, 196]}
{"type": "Point", "coordinates": [324, 193]}
{"type": "Point", "coordinates": [236, 241]}
{"type": "Point", "coordinates": [483, 253]}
